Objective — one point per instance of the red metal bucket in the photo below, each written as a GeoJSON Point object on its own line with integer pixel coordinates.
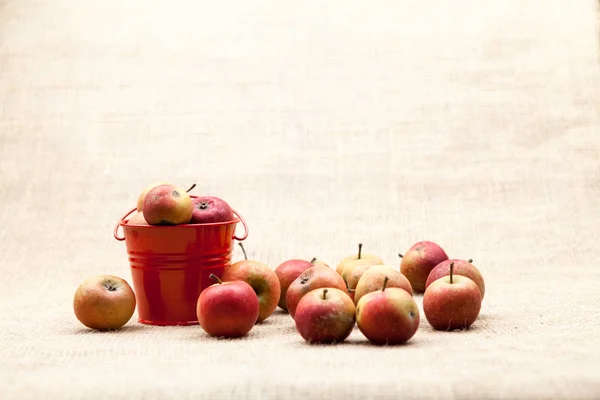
{"type": "Point", "coordinates": [171, 265]}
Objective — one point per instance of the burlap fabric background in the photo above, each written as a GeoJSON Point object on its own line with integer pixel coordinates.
{"type": "Point", "coordinates": [473, 124]}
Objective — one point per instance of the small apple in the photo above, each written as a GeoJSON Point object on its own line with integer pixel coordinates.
{"type": "Point", "coordinates": [312, 278]}
{"type": "Point", "coordinates": [372, 280]}
{"type": "Point", "coordinates": [418, 262]}
{"type": "Point", "coordinates": [289, 270]}
{"type": "Point", "coordinates": [461, 267]}
{"type": "Point", "coordinates": [325, 315]}
{"type": "Point", "coordinates": [104, 302]}
{"type": "Point", "coordinates": [142, 196]}
{"type": "Point", "coordinates": [137, 219]}
{"type": "Point", "coordinates": [388, 316]}
{"type": "Point", "coordinates": [357, 256]}
{"type": "Point", "coordinates": [227, 309]}
{"type": "Point", "coordinates": [209, 209]}
{"type": "Point", "coordinates": [354, 270]}
{"type": "Point", "coordinates": [452, 302]}
{"type": "Point", "coordinates": [263, 280]}
{"type": "Point", "coordinates": [167, 205]}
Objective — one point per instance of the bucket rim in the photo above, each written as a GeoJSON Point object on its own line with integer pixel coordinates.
{"type": "Point", "coordinates": [238, 219]}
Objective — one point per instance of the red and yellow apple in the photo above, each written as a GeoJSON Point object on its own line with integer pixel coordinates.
{"type": "Point", "coordinates": [325, 315]}
{"type": "Point", "coordinates": [388, 316]}
{"type": "Point", "coordinates": [312, 278]}
{"type": "Point", "coordinates": [261, 278]}
{"type": "Point", "coordinates": [104, 302]}
{"type": "Point", "coordinates": [167, 205]}
{"type": "Point", "coordinates": [418, 262]}
{"type": "Point", "coordinates": [452, 302]}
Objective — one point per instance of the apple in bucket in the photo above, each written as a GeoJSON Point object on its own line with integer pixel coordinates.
{"type": "Point", "coordinates": [210, 209]}
{"type": "Point", "coordinates": [261, 278]}
{"type": "Point", "coordinates": [104, 302]}
{"type": "Point", "coordinates": [227, 309]}
{"type": "Point", "coordinates": [167, 205]}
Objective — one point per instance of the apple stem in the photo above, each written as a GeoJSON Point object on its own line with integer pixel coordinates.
{"type": "Point", "coordinates": [193, 186]}
{"type": "Point", "coordinates": [243, 250]}
{"type": "Point", "coordinates": [451, 269]}
{"type": "Point", "coordinates": [351, 290]}
{"type": "Point", "coordinates": [313, 260]}
{"type": "Point", "coordinates": [400, 255]}
{"type": "Point", "coordinates": [324, 294]}
{"type": "Point", "coordinates": [385, 281]}
{"type": "Point", "coordinates": [359, 250]}
{"type": "Point", "coordinates": [470, 260]}
{"type": "Point", "coordinates": [215, 278]}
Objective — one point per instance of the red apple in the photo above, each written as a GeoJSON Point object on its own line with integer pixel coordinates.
{"type": "Point", "coordinates": [104, 302]}
{"type": "Point", "coordinates": [167, 205]}
{"type": "Point", "coordinates": [313, 278]}
{"type": "Point", "coordinates": [227, 309]}
{"type": "Point", "coordinates": [263, 280]}
{"type": "Point", "coordinates": [452, 302]}
{"type": "Point", "coordinates": [287, 271]}
{"type": "Point", "coordinates": [388, 316]}
{"type": "Point", "coordinates": [325, 315]}
{"type": "Point", "coordinates": [354, 270]}
{"type": "Point", "coordinates": [418, 262]}
{"type": "Point", "coordinates": [209, 209]}
{"type": "Point", "coordinates": [461, 267]}
{"type": "Point", "coordinates": [357, 256]}
{"type": "Point", "coordinates": [372, 280]}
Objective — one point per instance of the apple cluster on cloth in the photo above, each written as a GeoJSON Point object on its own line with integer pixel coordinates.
{"type": "Point", "coordinates": [324, 303]}
{"type": "Point", "coordinates": [166, 204]}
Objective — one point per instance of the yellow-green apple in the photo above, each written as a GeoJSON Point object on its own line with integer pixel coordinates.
{"type": "Point", "coordinates": [354, 270]}
{"type": "Point", "coordinates": [357, 256]}
{"type": "Point", "coordinates": [104, 302]}
{"type": "Point", "coordinates": [142, 196]}
{"type": "Point", "coordinates": [325, 315]}
{"type": "Point", "coordinates": [387, 316]}
{"type": "Point", "coordinates": [227, 309]}
{"type": "Point", "coordinates": [418, 262]}
{"type": "Point", "coordinates": [461, 267]}
{"type": "Point", "coordinates": [137, 219]}
{"type": "Point", "coordinates": [372, 280]}
{"type": "Point", "coordinates": [289, 270]}
{"type": "Point", "coordinates": [208, 209]}
{"type": "Point", "coordinates": [313, 278]}
{"type": "Point", "coordinates": [167, 205]}
{"type": "Point", "coordinates": [263, 280]}
{"type": "Point", "coordinates": [452, 302]}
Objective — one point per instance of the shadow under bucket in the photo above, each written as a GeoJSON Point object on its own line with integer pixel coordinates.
{"type": "Point", "coordinates": [171, 265]}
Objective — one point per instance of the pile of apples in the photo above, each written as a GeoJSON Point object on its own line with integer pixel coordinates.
{"type": "Point", "coordinates": [324, 303]}
{"type": "Point", "coordinates": [167, 204]}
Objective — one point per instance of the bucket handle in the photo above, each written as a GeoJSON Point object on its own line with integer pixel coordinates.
{"type": "Point", "coordinates": [116, 233]}
{"type": "Point", "coordinates": [239, 238]}
{"type": "Point", "coordinates": [245, 227]}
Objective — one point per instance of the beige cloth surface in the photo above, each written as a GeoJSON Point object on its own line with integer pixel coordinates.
{"type": "Point", "coordinates": [472, 124]}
